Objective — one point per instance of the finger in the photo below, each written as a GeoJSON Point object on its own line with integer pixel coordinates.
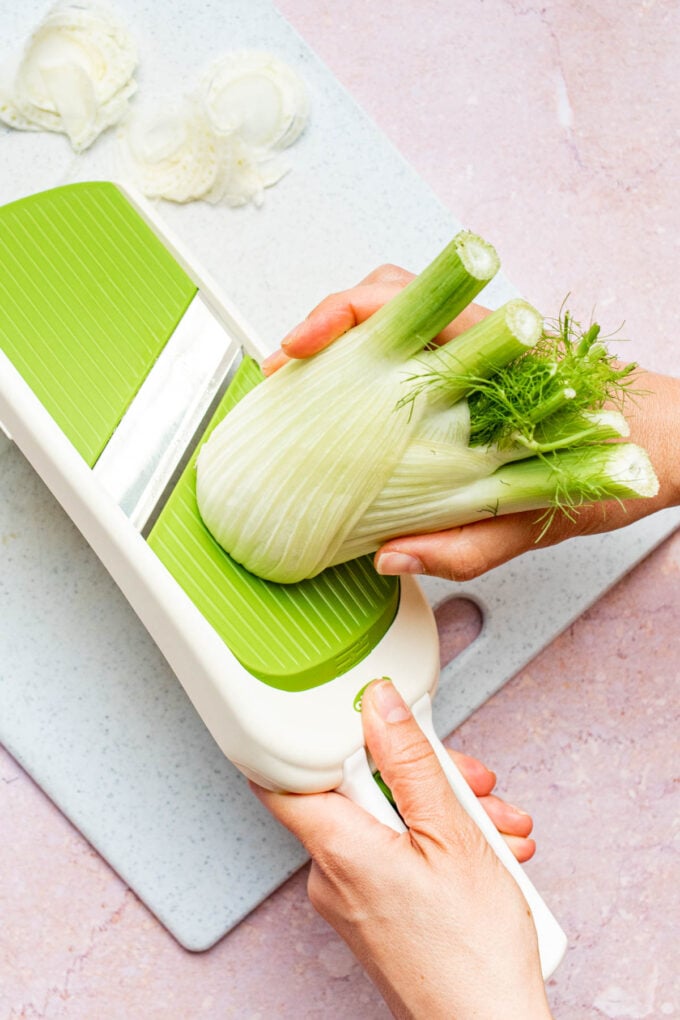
{"type": "Point", "coordinates": [388, 273]}
{"type": "Point", "coordinates": [338, 313]}
{"type": "Point", "coordinates": [478, 777]}
{"type": "Point", "coordinates": [323, 822]}
{"type": "Point", "coordinates": [507, 818]}
{"type": "Point", "coordinates": [513, 823]}
{"type": "Point", "coordinates": [411, 770]}
{"type": "Point", "coordinates": [522, 849]}
{"type": "Point", "coordinates": [326, 324]}
{"type": "Point", "coordinates": [458, 554]}
{"type": "Point", "coordinates": [273, 362]}
{"type": "Point", "coordinates": [470, 316]}
{"type": "Point", "coordinates": [461, 554]}
{"type": "Point", "coordinates": [335, 315]}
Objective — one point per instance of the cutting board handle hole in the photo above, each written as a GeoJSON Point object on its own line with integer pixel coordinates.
{"type": "Point", "coordinates": [459, 622]}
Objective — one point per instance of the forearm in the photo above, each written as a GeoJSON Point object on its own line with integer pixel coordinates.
{"type": "Point", "coordinates": [461, 988]}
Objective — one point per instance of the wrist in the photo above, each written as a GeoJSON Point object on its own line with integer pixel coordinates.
{"type": "Point", "coordinates": [532, 1006]}
{"type": "Point", "coordinates": [463, 988]}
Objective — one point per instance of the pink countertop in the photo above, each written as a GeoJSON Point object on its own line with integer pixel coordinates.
{"type": "Point", "coordinates": [551, 129]}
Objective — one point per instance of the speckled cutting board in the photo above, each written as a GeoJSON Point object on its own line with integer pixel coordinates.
{"type": "Point", "coordinates": [87, 703]}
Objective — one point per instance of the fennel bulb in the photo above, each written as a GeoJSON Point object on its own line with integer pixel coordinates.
{"type": "Point", "coordinates": [377, 436]}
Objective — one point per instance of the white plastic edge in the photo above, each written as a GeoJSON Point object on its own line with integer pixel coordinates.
{"type": "Point", "coordinates": [552, 941]}
{"type": "Point", "coordinates": [293, 741]}
{"type": "Point", "coordinates": [359, 786]}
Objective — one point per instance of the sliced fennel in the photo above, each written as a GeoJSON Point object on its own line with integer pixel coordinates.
{"type": "Point", "coordinates": [173, 152]}
{"type": "Point", "coordinates": [223, 144]}
{"type": "Point", "coordinates": [381, 435]}
{"type": "Point", "coordinates": [247, 176]}
{"type": "Point", "coordinates": [75, 75]}
{"type": "Point", "coordinates": [258, 97]}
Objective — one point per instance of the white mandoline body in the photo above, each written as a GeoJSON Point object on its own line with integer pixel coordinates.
{"type": "Point", "coordinates": [305, 741]}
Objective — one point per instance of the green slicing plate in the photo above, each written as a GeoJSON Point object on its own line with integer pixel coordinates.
{"type": "Point", "coordinates": [89, 295]}
{"type": "Point", "coordinates": [88, 298]}
{"type": "Point", "coordinates": [290, 636]}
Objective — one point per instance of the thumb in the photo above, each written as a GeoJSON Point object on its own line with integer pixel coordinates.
{"type": "Point", "coordinates": [409, 766]}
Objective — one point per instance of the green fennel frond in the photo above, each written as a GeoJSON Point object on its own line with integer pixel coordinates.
{"type": "Point", "coordinates": [574, 488]}
{"type": "Point", "coordinates": [540, 398]}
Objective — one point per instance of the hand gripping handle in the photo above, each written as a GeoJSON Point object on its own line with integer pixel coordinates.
{"type": "Point", "coordinates": [359, 786]}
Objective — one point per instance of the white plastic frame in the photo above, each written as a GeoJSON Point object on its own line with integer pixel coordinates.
{"type": "Point", "coordinates": [305, 741]}
{"type": "Point", "coordinates": [292, 741]}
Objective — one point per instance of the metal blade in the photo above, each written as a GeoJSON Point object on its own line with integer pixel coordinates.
{"type": "Point", "coordinates": [158, 432]}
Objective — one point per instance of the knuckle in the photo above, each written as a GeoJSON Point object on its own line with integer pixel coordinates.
{"type": "Point", "coordinates": [389, 273]}
{"type": "Point", "coordinates": [413, 753]}
{"type": "Point", "coordinates": [317, 890]}
{"type": "Point", "coordinates": [336, 863]}
{"type": "Point", "coordinates": [474, 856]}
{"type": "Point", "coordinates": [329, 301]}
{"type": "Point", "coordinates": [591, 520]}
{"type": "Point", "coordinates": [337, 888]}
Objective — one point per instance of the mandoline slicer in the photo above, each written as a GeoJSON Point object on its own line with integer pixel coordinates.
{"type": "Point", "coordinates": [117, 358]}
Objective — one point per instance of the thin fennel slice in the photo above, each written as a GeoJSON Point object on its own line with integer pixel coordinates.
{"type": "Point", "coordinates": [171, 151]}
{"type": "Point", "coordinates": [257, 97]}
{"type": "Point", "coordinates": [223, 144]}
{"type": "Point", "coordinates": [75, 75]}
{"type": "Point", "coordinates": [247, 176]}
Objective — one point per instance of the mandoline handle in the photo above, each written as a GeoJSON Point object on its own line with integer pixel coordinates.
{"type": "Point", "coordinates": [358, 785]}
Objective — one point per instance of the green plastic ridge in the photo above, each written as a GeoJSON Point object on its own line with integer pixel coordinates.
{"type": "Point", "coordinates": [292, 637]}
{"type": "Point", "coordinates": [89, 296]}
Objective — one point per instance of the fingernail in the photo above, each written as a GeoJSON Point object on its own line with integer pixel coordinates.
{"type": "Point", "coordinates": [518, 811]}
{"type": "Point", "coordinates": [398, 563]}
{"type": "Point", "coordinates": [273, 361]}
{"type": "Point", "coordinates": [391, 707]}
{"type": "Point", "coordinates": [290, 337]}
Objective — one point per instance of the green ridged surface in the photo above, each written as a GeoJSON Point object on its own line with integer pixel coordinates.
{"type": "Point", "coordinates": [88, 298]}
{"type": "Point", "coordinates": [290, 636]}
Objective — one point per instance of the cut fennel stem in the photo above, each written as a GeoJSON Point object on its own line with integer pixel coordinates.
{"type": "Point", "coordinates": [371, 438]}
{"type": "Point", "coordinates": [569, 478]}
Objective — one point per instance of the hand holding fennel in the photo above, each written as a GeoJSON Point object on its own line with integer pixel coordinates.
{"type": "Point", "coordinates": [382, 435]}
{"type": "Point", "coordinates": [465, 552]}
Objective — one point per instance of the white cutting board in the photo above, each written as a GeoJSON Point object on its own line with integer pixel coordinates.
{"type": "Point", "coordinates": [87, 704]}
